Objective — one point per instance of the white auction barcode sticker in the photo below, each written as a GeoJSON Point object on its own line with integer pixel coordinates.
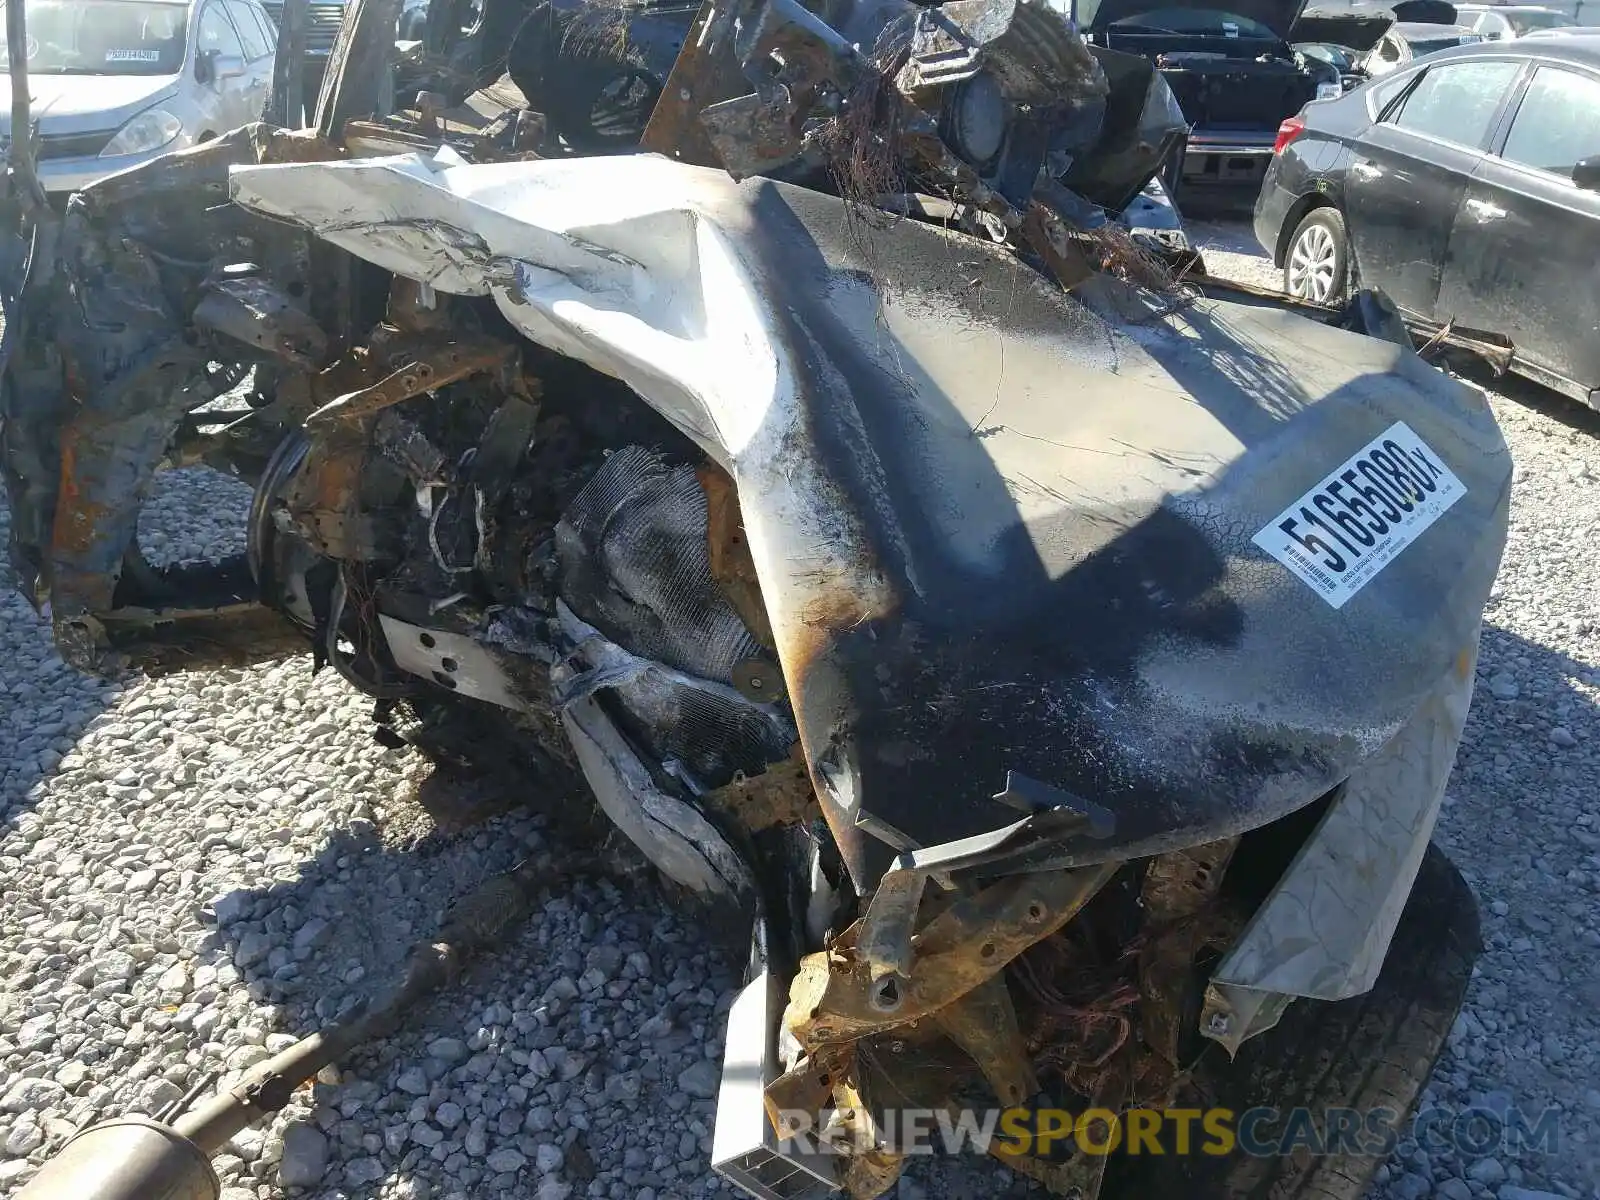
{"type": "Point", "coordinates": [1342, 532]}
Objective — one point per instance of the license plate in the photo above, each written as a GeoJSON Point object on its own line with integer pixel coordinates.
{"type": "Point", "coordinates": [1342, 532]}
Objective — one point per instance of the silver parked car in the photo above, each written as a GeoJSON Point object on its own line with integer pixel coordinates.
{"type": "Point", "coordinates": [1408, 41]}
{"type": "Point", "coordinates": [115, 83]}
{"type": "Point", "coordinates": [1503, 22]}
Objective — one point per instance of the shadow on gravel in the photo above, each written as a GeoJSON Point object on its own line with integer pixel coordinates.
{"type": "Point", "coordinates": [609, 991]}
{"type": "Point", "coordinates": [45, 706]}
{"type": "Point", "coordinates": [190, 515]}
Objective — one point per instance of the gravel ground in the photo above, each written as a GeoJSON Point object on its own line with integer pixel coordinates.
{"type": "Point", "coordinates": [195, 869]}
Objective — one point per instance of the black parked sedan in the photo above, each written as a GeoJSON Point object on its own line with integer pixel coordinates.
{"type": "Point", "coordinates": [1467, 187]}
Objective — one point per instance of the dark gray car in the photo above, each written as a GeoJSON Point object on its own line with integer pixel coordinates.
{"type": "Point", "coordinates": [1467, 187]}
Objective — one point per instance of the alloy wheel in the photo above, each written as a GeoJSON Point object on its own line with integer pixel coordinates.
{"type": "Point", "coordinates": [1312, 260]}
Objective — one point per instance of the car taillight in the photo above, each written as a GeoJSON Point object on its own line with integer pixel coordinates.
{"type": "Point", "coordinates": [1287, 132]}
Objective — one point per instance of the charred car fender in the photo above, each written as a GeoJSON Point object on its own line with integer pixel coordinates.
{"type": "Point", "coordinates": [975, 503]}
{"type": "Point", "coordinates": [1325, 929]}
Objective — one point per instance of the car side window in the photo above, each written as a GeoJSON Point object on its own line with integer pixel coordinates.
{"type": "Point", "coordinates": [1557, 124]}
{"type": "Point", "coordinates": [1389, 50]}
{"type": "Point", "coordinates": [1457, 101]}
{"type": "Point", "coordinates": [217, 33]}
{"type": "Point", "coordinates": [268, 29]}
{"type": "Point", "coordinates": [255, 46]}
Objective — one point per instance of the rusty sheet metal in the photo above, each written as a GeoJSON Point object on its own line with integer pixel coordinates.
{"type": "Point", "coordinates": [705, 72]}
{"type": "Point", "coordinates": [873, 1172]}
{"type": "Point", "coordinates": [252, 310]}
{"type": "Point", "coordinates": [1182, 917]}
{"type": "Point", "coordinates": [324, 497]}
{"type": "Point", "coordinates": [984, 1024]}
{"type": "Point", "coordinates": [834, 998]}
{"type": "Point", "coordinates": [731, 563]}
{"type": "Point", "coordinates": [1081, 1175]}
{"type": "Point", "coordinates": [782, 795]}
{"type": "Point", "coordinates": [1044, 233]}
{"type": "Point", "coordinates": [429, 367]}
{"type": "Point", "coordinates": [873, 1167]}
{"type": "Point", "coordinates": [884, 939]}
{"type": "Point", "coordinates": [808, 1085]}
{"type": "Point", "coordinates": [133, 251]}
{"type": "Point", "coordinates": [1167, 976]}
{"type": "Point", "coordinates": [109, 454]}
{"type": "Point", "coordinates": [1182, 882]}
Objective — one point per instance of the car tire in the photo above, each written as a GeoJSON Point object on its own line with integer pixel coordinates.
{"type": "Point", "coordinates": [1374, 1051]}
{"type": "Point", "coordinates": [1316, 263]}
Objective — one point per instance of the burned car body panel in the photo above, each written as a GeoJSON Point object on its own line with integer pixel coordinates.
{"type": "Point", "coordinates": [1365, 851]}
{"type": "Point", "coordinates": [993, 626]}
{"type": "Point", "coordinates": [101, 385]}
{"type": "Point", "coordinates": [985, 547]}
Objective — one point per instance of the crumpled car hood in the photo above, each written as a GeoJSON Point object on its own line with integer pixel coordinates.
{"type": "Point", "coordinates": [1000, 531]}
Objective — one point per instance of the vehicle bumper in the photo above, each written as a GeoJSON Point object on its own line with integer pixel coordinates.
{"type": "Point", "coordinates": [1232, 158]}
{"type": "Point", "coordinates": [61, 176]}
{"type": "Point", "coordinates": [1245, 144]}
{"type": "Point", "coordinates": [1273, 203]}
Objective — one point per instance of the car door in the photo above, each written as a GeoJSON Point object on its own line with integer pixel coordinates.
{"type": "Point", "coordinates": [223, 96]}
{"type": "Point", "coordinates": [1527, 238]}
{"type": "Point", "coordinates": [257, 80]}
{"type": "Point", "coordinates": [1409, 171]}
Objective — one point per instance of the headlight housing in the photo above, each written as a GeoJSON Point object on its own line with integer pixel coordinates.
{"type": "Point", "coordinates": [150, 130]}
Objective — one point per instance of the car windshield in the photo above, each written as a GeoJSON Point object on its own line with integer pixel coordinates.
{"type": "Point", "coordinates": [1205, 21]}
{"type": "Point", "coordinates": [1524, 21]}
{"type": "Point", "coordinates": [104, 37]}
{"type": "Point", "coordinates": [1328, 54]}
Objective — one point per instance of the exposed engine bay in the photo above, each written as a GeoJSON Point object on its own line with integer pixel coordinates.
{"type": "Point", "coordinates": [908, 562]}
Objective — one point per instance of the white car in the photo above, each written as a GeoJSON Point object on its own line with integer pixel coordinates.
{"type": "Point", "coordinates": [1407, 41]}
{"type": "Point", "coordinates": [1501, 23]}
{"type": "Point", "coordinates": [1565, 31]}
{"type": "Point", "coordinates": [115, 83]}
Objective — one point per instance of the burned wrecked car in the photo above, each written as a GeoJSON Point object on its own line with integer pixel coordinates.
{"type": "Point", "coordinates": [1053, 663]}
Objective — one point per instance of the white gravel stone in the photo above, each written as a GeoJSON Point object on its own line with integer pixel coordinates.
{"type": "Point", "coordinates": [549, 1159]}
{"type": "Point", "coordinates": [701, 1079]}
{"type": "Point", "coordinates": [24, 1138]}
{"type": "Point", "coordinates": [31, 1095]}
{"type": "Point", "coordinates": [305, 1155]}
{"type": "Point", "coordinates": [506, 1160]}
